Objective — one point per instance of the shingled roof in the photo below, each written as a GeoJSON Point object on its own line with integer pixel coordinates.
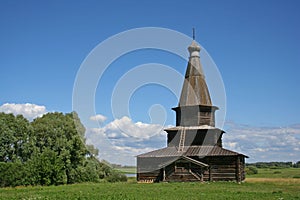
{"type": "Point", "coordinates": [202, 127]}
{"type": "Point", "coordinates": [200, 151]}
{"type": "Point", "coordinates": [194, 90]}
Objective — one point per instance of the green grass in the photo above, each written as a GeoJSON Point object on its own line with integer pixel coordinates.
{"type": "Point", "coordinates": [127, 170]}
{"type": "Point", "coordinates": [276, 173]}
{"type": "Point", "coordinates": [215, 190]}
{"type": "Point", "coordinates": [264, 185]}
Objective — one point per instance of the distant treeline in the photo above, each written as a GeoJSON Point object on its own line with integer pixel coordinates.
{"type": "Point", "coordinates": [50, 150]}
{"type": "Point", "coordinates": [121, 166]}
{"type": "Point", "coordinates": [274, 164]}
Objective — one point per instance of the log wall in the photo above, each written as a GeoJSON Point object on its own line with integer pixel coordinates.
{"type": "Point", "coordinates": [224, 168]}
{"type": "Point", "coordinates": [221, 168]}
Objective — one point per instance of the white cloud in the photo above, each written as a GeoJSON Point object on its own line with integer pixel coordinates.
{"type": "Point", "coordinates": [127, 128]}
{"type": "Point", "coordinates": [232, 144]}
{"type": "Point", "coordinates": [28, 110]}
{"type": "Point", "coordinates": [264, 143]}
{"type": "Point", "coordinates": [99, 118]}
{"type": "Point", "coordinates": [122, 139]}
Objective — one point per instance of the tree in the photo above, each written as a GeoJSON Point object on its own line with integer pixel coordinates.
{"type": "Point", "coordinates": [58, 132]}
{"type": "Point", "coordinates": [46, 168]}
{"type": "Point", "coordinates": [15, 138]}
{"type": "Point", "coordinates": [92, 151]}
{"type": "Point", "coordinates": [51, 150]}
{"type": "Point", "coordinates": [297, 164]}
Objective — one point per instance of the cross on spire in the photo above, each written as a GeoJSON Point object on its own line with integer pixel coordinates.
{"type": "Point", "coordinates": [193, 33]}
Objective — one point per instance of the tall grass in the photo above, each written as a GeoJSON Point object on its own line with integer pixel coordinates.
{"type": "Point", "coordinates": [268, 187]}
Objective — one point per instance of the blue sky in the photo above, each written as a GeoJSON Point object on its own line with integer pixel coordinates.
{"type": "Point", "coordinates": [255, 45]}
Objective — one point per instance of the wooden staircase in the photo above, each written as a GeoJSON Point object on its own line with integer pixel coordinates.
{"type": "Point", "coordinates": [183, 176]}
{"type": "Point", "coordinates": [182, 140]}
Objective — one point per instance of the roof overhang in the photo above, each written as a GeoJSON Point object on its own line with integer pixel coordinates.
{"type": "Point", "coordinates": [196, 162]}
{"type": "Point", "coordinates": [203, 127]}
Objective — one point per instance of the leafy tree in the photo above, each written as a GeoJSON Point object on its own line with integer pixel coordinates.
{"type": "Point", "coordinates": [77, 124]}
{"type": "Point", "coordinates": [47, 168]}
{"type": "Point", "coordinates": [51, 150]}
{"type": "Point", "coordinates": [92, 151]}
{"type": "Point", "coordinates": [12, 174]}
{"type": "Point", "coordinates": [15, 138]}
{"type": "Point", "coordinates": [297, 164]}
{"type": "Point", "coordinates": [58, 132]}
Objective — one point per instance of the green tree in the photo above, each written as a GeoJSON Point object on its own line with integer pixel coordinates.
{"type": "Point", "coordinates": [297, 164]}
{"type": "Point", "coordinates": [15, 138]}
{"type": "Point", "coordinates": [51, 150]}
{"type": "Point", "coordinates": [58, 132]}
{"type": "Point", "coordinates": [46, 168]}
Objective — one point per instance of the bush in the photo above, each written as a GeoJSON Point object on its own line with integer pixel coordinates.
{"type": "Point", "coordinates": [251, 170]}
{"type": "Point", "coordinates": [296, 176]}
{"type": "Point", "coordinates": [12, 174]}
{"type": "Point", "coordinates": [116, 177]}
{"type": "Point", "coordinates": [275, 167]}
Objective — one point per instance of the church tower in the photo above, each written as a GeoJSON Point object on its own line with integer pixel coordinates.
{"type": "Point", "coordinates": [194, 149]}
{"type": "Point", "coordinates": [195, 114]}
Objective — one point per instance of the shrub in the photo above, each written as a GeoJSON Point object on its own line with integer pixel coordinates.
{"type": "Point", "coordinates": [116, 177]}
{"type": "Point", "coordinates": [251, 170]}
{"type": "Point", "coordinates": [12, 174]}
{"type": "Point", "coordinates": [276, 167]}
{"type": "Point", "coordinates": [296, 176]}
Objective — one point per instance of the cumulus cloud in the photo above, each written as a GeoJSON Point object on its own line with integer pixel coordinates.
{"type": "Point", "coordinates": [28, 110]}
{"type": "Point", "coordinates": [264, 143]}
{"type": "Point", "coordinates": [99, 118]}
{"type": "Point", "coordinates": [122, 139]}
{"type": "Point", "coordinates": [125, 127]}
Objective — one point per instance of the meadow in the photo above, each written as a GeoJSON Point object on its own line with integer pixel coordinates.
{"type": "Point", "coordinates": [267, 184]}
{"type": "Point", "coordinates": [127, 170]}
{"type": "Point", "coordinates": [277, 173]}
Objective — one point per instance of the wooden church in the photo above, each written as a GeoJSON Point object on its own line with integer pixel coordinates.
{"type": "Point", "coordinates": [194, 149]}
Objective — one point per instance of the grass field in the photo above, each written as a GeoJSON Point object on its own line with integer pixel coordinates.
{"type": "Point", "coordinates": [277, 173]}
{"type": "Point", "coordinates": [127, 170]}
{"type": "Point", "coordinates": [265, 187]}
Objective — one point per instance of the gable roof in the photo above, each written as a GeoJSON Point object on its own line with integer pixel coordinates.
{"type": "Point", "coordinates": [196, 162]}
